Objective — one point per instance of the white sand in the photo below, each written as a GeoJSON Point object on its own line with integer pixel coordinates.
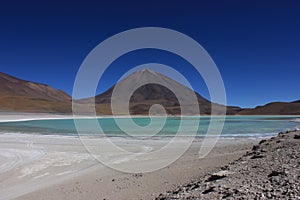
{"type": "Point", "coordinates": [13, 116]}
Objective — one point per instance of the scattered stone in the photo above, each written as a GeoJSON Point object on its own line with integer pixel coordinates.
{"type": "Point", "coordinates": [297, 137]}
{"type": "Point", "coordinates": [257, 156]}
{"type": "Point", "coordinates": [137, 175]}
{"type": "Point", "coordinates": [255, 147]}
{"type": "Point", "coordinates": [275, 175]}
{"type": "Point", "coordinates": [177, 191]}
{"type": "Point", "coordinates": [215, 177]}
{"type": "Point", "coordinates": [223, 173]}
{"type": "Point", "coordinates": [262, 141]}
{"type": "Point", "coordinates": [211, 189]}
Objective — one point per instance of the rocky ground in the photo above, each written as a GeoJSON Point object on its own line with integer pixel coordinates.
{"type": "Point", "coordinates": [271, 170]}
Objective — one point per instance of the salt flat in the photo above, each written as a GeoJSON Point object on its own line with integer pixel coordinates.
{"type": "Point", "coordinates": [47, 166]}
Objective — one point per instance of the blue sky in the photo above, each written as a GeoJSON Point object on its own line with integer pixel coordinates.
{"type": "Point", "coordinates": [255, 44]}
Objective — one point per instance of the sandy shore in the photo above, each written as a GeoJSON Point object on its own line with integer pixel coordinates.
{"type": "Point", "coordinates": [47, 167]}
{"type": "Point", "coordinates": [14, 116]}
{"type": "Point", "coordinates": [59, 167]}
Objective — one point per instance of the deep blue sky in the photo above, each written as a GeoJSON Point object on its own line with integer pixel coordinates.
{"type": "Point", "coordinates": [255, 44]}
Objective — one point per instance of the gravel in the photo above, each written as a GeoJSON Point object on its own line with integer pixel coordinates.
{"type": "Point", "coordinates": [271, 170]}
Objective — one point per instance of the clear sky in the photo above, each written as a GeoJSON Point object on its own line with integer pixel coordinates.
{"type": "Point", "coordinates": [255, 44]}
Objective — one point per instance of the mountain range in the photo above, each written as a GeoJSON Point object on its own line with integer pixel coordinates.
{"type": "Point", "coordinates": [24, 96]}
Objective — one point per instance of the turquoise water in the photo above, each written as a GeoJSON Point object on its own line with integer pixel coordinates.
{"type": "Point", "coordinates": [235, 126]}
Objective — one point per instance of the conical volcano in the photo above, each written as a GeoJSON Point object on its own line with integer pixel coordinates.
{"type": "Point", "coordinates": [155, 88]}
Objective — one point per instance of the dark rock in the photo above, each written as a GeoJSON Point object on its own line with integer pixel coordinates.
{"type": "Point", "coordinates": [282, 136]}
{"type": "Point", "coordinates": [161, 197]}
{"type": "Point", "coordinates": [177, 191]}
{"type": "Point", "coordinates": [224, 167]}
{"type": "Point", "coordinates": [214, 178]}
{"type": "Point", "coordinates": [257, 156]}
{"type": "Point", "coordinates": [209, 190]}
{"type": "Point", "coordinates": [218, 175]}
{"type": "Point", "coordinates": [137, 175]}
{"type": "Point", "coordinates": [255, 147]}
{"type": "Point", "coordinates": [262, 141]}
{"type": "Point", "coordinates": [275, 173]}
{"type": "Point", "coordinates": [194, 186]}
{"type": "Point", "coordinates": [227, 194]}
{"type": "Point", "coordinates": [297, 137]}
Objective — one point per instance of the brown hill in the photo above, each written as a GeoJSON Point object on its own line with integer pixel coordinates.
{"type": "Point", "coordinates": [275, 108]}
{"type": "Point", "coordinates": [147, 95]}
{"type": "Point", "coordinates": [25, 96]}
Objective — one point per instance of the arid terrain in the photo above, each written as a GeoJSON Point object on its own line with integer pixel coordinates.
{"type": "Point", "coordinates": [271, 170]}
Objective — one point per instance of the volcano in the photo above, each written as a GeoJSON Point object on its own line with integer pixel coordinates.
{"type": "Point", "coordinates": [153, 93]}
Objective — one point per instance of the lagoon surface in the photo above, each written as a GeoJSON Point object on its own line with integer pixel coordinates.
{"type": "Point", "coordinates": [235, 126]}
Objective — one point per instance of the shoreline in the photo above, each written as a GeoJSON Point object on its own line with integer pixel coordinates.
{"type": "Point", "coordinates": [49, 163]}
{"type": "Point", "coordinates": [26, 117]}
{"type": "Point", "coordinates": [20, 117]}
{"type": "Point", "coordinates": [56, 167]}
{"type": "Point", "coordinates": [78, 176]}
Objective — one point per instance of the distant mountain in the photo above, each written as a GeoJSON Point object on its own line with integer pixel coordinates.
{"type": "Point", "coordinates": [147, 95]}
{"type": "Point", "coordinates": [21, 95]}
{"type": "Point", "coordinates": [275, 108]}
{"type": "Point", "coordinates": [24, 96]}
